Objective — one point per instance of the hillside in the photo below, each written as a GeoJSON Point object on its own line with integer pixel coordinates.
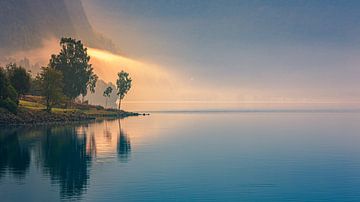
{"type": "Point", "coordinates": [25, 23]}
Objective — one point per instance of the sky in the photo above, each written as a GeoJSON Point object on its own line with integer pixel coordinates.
{"type": "Point", "coordinates": [242, 51]}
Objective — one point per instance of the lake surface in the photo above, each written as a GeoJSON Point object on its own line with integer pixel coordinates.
{"type": "Point", "coordinates": [223, 156]}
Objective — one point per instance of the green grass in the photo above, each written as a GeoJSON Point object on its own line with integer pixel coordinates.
{"type": "Point", "coordinates": [91, 111]}
{"type": "Point", "coordinates": [31, 105]}
{"type": "Point", "coordinates": [61, 110]}
{"type": "Point", "coordinates": [39, 106]}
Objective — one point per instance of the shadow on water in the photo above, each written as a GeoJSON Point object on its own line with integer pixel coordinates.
{"type": "Point", "coordinates": [64, 154]}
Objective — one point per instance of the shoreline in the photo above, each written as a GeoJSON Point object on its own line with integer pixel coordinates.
{"type": "Point", "coordinates": [27, 116]}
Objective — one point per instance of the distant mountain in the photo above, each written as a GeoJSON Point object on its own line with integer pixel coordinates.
{"type": "Point", "coordinates": [24, 23]}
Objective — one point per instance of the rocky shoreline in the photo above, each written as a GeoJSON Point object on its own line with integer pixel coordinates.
{"type": "Point", "coordinates": [38, 117]}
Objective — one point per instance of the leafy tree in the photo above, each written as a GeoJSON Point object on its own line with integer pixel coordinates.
{"type": "Point", "coordinates": [19, 78]}
{"type": "Point", "coordinates": [4, 82]}
{"type": "Point", "coordinates": [8, 94]}
{"type": "Point", "coordinates": [123, 85]}
{"type": "Point", "coordinates": [35, 87]}
{"type": "Point", "coordinates": [73, 63]}
{"type": "Point", "coordinates": [107, 94]}
{"type": "Point", "coordinates": [51, 86]}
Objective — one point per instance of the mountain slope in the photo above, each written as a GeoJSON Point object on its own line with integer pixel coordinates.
{"type": "Point", "coordinates": [25, 23]}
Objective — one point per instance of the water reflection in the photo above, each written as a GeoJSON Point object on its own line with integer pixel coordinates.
{"type": "Point", "coordinates": [123, 145]}
{"type": "Point", "coordinates": [64, 158]}
{"type": "Point", "coordinates": [14, 156]}
{"type": "Point", "coordinates": [64, 154]}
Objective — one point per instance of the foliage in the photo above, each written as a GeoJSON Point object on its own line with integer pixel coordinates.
{"type": "Point", "coordinates": [35, 87]}
{"type": "Point", "coordinates": [51, 85]}
{"type": "Point", "coordinates": [107, 94]}
{"type": "Point", "coordinates": [3, 84]}
{"type": "Point", "coordinates": [8, 95]}
{"type": "Point", "coordinates": [9, 104]}
{"type": "Point", "coordinates": [123, 85]}
{"type": "Point", "coordinates": [98, 107]}
{"type": "Point", "coordinates": [73, 63]}
{"type": "Point", "coordinates": [12, 94]}
{"type": "Point", "coordinates": [19, 78]}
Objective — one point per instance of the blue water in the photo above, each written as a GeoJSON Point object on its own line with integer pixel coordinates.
{"type": "Point", "coordinates": [222, 156]}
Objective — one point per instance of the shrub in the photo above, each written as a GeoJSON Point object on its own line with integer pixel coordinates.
{"type": "Point", "coordinates": [12, 94]}
{"type": "Point", "coordinates": [19, 78]}
{"type": "Point", "coordinates": [9, 105]}
{"type": "Point", "coordinates": [98, 107]}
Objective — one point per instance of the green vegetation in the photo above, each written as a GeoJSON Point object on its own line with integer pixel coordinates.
{"type": "Point", "coordinates": [8, 95]}
{"type": "Point", "coordinates": [123, 85]}
{"type": "Point", "coordinates": [106, 94]}
{"type": "Point", "coordinates": [51, 86]}
{"type": "Point", "coordinates": [45, 98]}
{"type": "Point", "coordinates": [19, 78]}
{"type": "Point", "coordinates": [73, 63]}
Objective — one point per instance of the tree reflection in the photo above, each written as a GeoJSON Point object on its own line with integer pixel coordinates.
{"type": "Point", "coordinates": [65, 158]}
{"type": "Point", "coordinates": [14, 157]}
{"type": "Point", "coordinates": [123, 145]}
{"type": "Point", "coordinates": [107, 132]}
{"type": "Point", "coordinates": [63, 153]}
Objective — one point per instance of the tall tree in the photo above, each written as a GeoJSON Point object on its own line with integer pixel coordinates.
{"type": "Point", "coordinates": [19, 78]}
{"type": "Point", "coordinates": [123, 85]}
{"type": "Point", "coordinates": [107, 94]}
{"type": "Point", "coordinates": [8, 94]}
{"type": "Point", "coordinates": [4, 82]}
{"type": "Point", "coordinates": [73, 63]}
{"type": "Point", "coordinates": [51, 86]}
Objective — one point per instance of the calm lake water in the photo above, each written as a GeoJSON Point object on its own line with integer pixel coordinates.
{"type": "Point", "coordinates": [288, 156]}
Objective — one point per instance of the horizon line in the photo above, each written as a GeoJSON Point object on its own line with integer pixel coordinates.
{"type": "Point", "coordinates": [354, 110]}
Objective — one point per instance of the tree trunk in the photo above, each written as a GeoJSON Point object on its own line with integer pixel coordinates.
{"type": "Point", "coordinates": [48, 104]}
{"type": "Point", "coordinates": [106, 103]}
{"type": "Point", "coordinates": [119, 103]}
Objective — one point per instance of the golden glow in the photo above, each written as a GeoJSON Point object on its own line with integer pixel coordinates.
{"type": "Point", "coordinates": [103, 55]}
{"type": "Point", "coordinates": [150, 82]}
{"type": "Point", "coordinates": [161, 88]}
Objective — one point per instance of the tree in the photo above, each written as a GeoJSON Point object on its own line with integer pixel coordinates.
{"type": "Point", "coordinates": [19, 78]}
{"type": "Point", "coordinates": [4, 82]}
{"type": "Point", "coordinates": [73, 63]}
{"type": "Point", "coordinates": [107, 94]}
{"type": "Point", "coordinates": [123, 85]}
{"type": "Point", "coordinates": [35, 87]}
{"type": "Point", "coordinates": [51, 86]}
{"type": "Point", "coordinates": [8, 94]}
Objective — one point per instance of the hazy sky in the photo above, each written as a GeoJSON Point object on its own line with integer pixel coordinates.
{"type": "Point", "coordinates": [294, 49]}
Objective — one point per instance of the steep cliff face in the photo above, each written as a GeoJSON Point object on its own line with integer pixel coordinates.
{"type": "Point", "coordinates": [24, 23]}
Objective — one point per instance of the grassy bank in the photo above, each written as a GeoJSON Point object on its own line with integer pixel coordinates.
{"type": "Point", "coordinates": [32, 111]}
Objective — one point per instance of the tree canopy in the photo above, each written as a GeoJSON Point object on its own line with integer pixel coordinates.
{"type": "Point", "coordinates": [107, 94]}
{"type": "Point", "coordinates": [107, 91]}
{"type": "Point", "coordinates": [19, 78]}
{"type": "Point", "coordinates": [73, 63]}
{"type": "Point", "coordinates": [123, 85]}
{"type": "Point", "coordinates": [8, 94]}
{"type": "Point", "coordinates": [51, 86]}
